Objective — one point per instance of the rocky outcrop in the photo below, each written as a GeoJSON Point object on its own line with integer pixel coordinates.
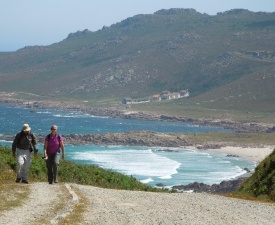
{"type": "Point", "coordinates": [136, 138]}
{"type": "Point", "coordinates": [222, 188]}
{"type": "Point", "coordinates": [271, 130]}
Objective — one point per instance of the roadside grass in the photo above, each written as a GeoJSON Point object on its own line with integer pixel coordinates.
{"type": "Point", "coordinates": [249, 197]}
{"type": "Point", "coordinates": [12, 195]}
{"type": "Point", "coordinates": [73, 215]}
{"type": "Point", "coordinates": [16, 193]}
{"type": "Point", "coordinates": [76, 216]}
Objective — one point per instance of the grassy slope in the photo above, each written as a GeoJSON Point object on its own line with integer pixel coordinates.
{"type": "Point", "coordinates": [262, 183]}
{"type": "Point", "coordinates": [190, 109]}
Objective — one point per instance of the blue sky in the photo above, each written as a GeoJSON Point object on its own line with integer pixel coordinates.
{"type": "Point", "coordinates": [34, 22]}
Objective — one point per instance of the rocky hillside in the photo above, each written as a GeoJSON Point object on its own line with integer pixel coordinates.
{"type": "Point", "coordinates": [169, 50]}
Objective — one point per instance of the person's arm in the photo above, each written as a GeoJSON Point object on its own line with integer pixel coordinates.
{"type": "Point", "coordinates": [62, 149]}
{"type": "Point", "coordinates": [14, 144]}
{"type": "Point", "coordinates": [45, 147]}
{"type": "Point", "coordinates": [34, 143]}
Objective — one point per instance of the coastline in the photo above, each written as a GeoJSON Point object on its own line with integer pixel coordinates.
{"type": "Point", "coordinates": [124, 113]}
{"type": "Point", "coordinates": [252, 152]}
{"type": "Point", "coordinates": [227, 186]}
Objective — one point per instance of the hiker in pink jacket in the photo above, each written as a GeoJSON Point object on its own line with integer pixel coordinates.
{"type": "Point", "coordinates": [52, 145]}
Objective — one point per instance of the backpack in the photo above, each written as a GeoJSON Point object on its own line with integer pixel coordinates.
{"type": "Point", "coordinates": [58, 137]}
{"type": "Point", "coordinates": [30, 134]}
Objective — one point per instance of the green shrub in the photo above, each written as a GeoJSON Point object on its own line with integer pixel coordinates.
{"type": "Point", "coordinates": [262, 182]}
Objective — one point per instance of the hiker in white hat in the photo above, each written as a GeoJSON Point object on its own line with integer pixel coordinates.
{"type": "Point", "coordinates": [24, 142]}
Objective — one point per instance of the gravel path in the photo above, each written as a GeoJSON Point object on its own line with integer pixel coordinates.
{"type": "Point", "coordinates": [119, 207]}
{"type": "Point", "coordinates": [141, 208]}
{"type": "Point", "coordinates": [46, 204]}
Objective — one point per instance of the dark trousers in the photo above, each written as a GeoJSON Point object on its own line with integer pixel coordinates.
{"type": "Point", "coordinates": [52, 166]}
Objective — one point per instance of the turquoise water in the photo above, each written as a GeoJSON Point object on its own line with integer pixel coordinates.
{"type": "Point", "coordinates": [168, 166]}
{"type": "Point", "coordinates": [151, 165]}
{"type": "Point", "coordinates": [12, 119]}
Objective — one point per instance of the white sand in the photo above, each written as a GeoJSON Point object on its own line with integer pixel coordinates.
{"type": "Point", "coordinates": [255, 154]}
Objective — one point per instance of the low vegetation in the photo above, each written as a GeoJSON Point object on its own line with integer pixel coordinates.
{"type": "Point", "coordinates": [16, 195]}
{"type": "Point", "coordinates": [261, 184]}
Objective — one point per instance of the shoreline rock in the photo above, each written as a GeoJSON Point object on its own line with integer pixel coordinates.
{"type": "Point", "coordinates": [222, 188]}
{"type": "Point", "coordinates": [137, 138]}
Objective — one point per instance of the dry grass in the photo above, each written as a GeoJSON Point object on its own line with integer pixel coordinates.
{"type": "Point", "coordinates": [76, 216]}
{"type": "Point", "coordinates": [244, 196]}
{"type": "Point", "coordinates": [65, 211]}
{"type": "Point", "coordinates": [12, 195]}
{"type": "Point", "coordinates": [59, 208]}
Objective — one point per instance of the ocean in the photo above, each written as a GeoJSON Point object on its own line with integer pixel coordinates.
{"type": "Point", "coordinates": [151, 165]}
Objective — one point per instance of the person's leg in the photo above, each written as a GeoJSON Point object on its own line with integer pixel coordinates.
{"type": "Point", "coordinates": [27, 163]}
{"type": "Point", "coordinates": [19, 164]}
{"type": "Point", "coordinates": [55, 167]}
{"type": "Point", "coordinates": [50, 164]}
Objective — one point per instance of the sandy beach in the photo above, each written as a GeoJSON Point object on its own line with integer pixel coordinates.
{"type": "Point", "coordinates": [254, 154]}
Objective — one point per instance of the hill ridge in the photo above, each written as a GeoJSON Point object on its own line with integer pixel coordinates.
{"type": "Point", "coordinates": [174, 49]}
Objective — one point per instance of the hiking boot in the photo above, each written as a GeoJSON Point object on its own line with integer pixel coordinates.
{"type": "Point", "coordinates": [56, 181]}
{"type": "Point", "coordinates": [25, 181]}
{"type": "Point", "coordinates": [18, 180]}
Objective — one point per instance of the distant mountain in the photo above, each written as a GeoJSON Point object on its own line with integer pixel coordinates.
{"type": "Point", "coordinates": [220, 59]}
